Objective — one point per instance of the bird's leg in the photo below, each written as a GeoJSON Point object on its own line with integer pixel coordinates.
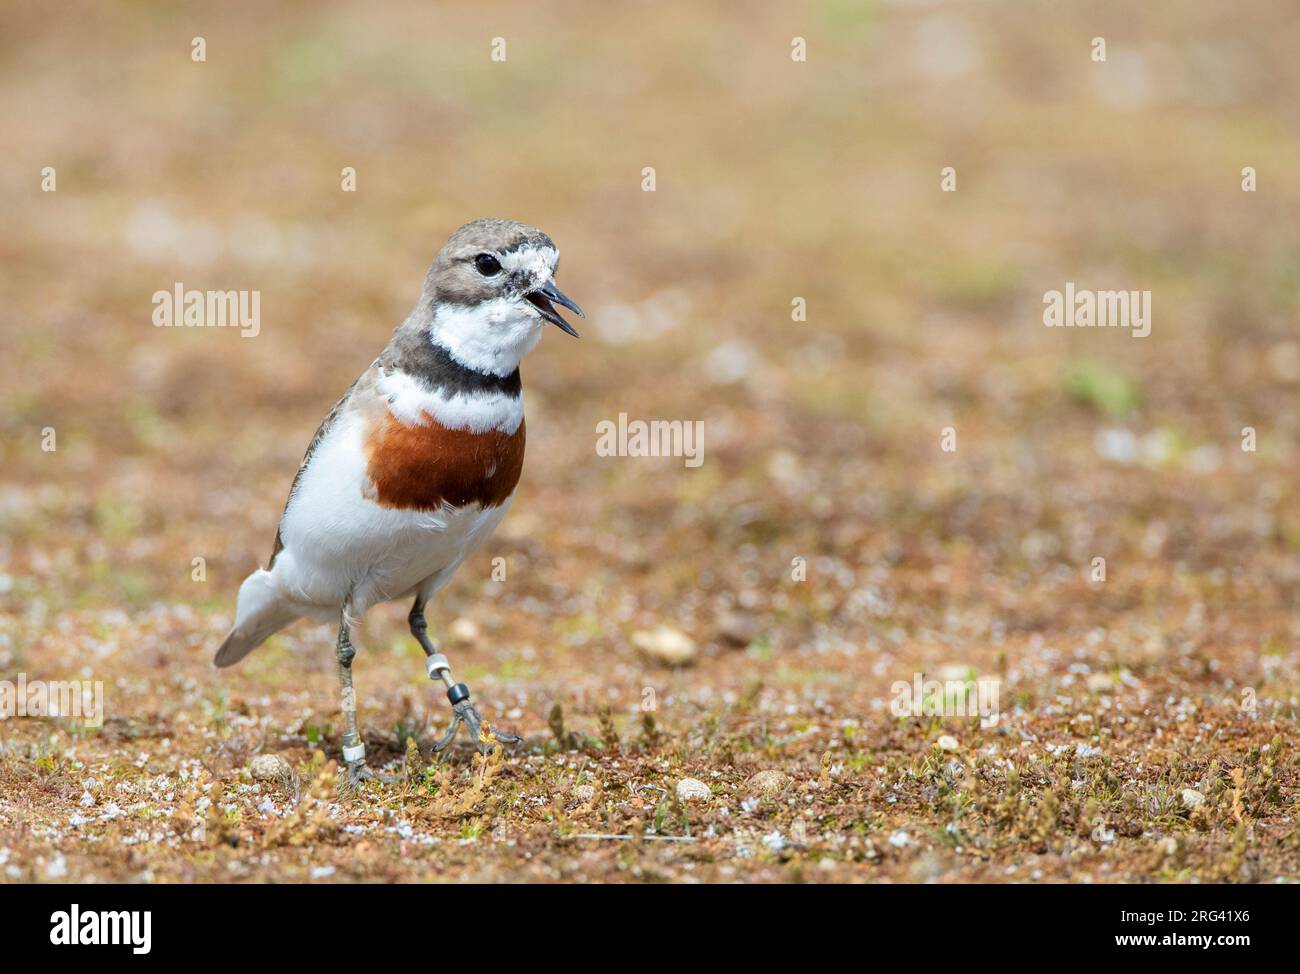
{"type": "Point", "coordinates": [354, 752]}
{"type": "Point", "coordinates": [462, 711]}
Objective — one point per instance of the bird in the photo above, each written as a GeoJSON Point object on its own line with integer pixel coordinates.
{"type": "Point", "coordinates": [415, 465]}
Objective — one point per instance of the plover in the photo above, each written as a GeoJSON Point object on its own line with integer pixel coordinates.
{"type": "Point", "coordinates": [415, 466]}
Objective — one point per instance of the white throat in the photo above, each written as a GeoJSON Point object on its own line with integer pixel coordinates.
{"type": "Point", "coordinates": [490, 337]}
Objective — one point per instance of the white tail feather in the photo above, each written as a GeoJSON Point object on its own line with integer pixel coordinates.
{"type": "Point", "coordinates": [261, 612]}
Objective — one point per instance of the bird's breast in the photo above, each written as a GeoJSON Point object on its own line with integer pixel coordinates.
{"type": "Point", "coordinates": [425, 465]}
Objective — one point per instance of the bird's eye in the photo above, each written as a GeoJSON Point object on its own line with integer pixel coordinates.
{"type": "Point", "coordinates": [487, 265]}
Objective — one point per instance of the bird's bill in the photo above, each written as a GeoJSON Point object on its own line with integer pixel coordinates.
{"type": "Point", "coordinates": [544, 300]}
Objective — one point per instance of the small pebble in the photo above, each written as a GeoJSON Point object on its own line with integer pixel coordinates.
{"type": "Point", "coordinates": [269, 767]}
{"type": "Point", "coordinates": [769, 782]}
{"type": "Point", "coordinates": [948, 743]}
{"type": "Point", "coordinates": [799, 832]}
{"type": "Point", "coordinates": [464, 630]}
{"type": "Point", "coordinates": [692, 790]}
{"type": "Point", "coordinates": [1192, 798]}
{"type": "Point", "coordinates": [665, 644]}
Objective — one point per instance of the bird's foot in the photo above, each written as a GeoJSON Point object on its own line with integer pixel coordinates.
{"type": "Point", "coordinates": [463, 712]}
{"type": "Point", "coordinates": [356, 777]}
{"type": "Point", "coordinates": [480, 731]}
{"type": "Point", "coordinates": [358, 772]}
{"type": "Point", "coordinates": [359, 775]}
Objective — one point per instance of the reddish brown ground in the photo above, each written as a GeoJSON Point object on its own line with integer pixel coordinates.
{"type": "Point", "coordinates": [775, 180]}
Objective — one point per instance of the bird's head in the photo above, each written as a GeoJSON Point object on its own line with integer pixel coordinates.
{"type": "Point", "coordinates": [490, 292]}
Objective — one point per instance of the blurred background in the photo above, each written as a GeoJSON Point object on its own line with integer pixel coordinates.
{"type": "Point", "coordinates": [775, 180]}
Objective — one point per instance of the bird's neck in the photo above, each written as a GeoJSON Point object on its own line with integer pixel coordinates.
{"type": "Point", "coordinates": [490, 337]}
{"type": "Point", "coordinates": [415, 352]}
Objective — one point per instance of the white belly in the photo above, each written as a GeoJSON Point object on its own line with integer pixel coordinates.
{"type": "Point", "coordinates": [340, 546]}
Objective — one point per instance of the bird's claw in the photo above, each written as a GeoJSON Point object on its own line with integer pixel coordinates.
{"type": "Point", "coordinates": [358, 773]}
{"type": "Point", "coordinates": [481, 732]}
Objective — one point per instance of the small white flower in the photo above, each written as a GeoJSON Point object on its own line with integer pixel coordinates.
{"type": "Point", "coordinates": [774, 841]}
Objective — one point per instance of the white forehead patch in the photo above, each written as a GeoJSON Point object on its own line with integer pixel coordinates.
{"type": "Point", "coordinates": [538, 262]}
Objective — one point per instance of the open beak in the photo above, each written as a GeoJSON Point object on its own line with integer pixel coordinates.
{"type": "Point", "coordinates": [545, 298]}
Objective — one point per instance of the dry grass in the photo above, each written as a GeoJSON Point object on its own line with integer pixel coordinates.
{"type": "Point", "coordinates": [822, 439]}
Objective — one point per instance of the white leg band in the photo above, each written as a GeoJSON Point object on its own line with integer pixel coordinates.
{"type": "Point", "coordinates": [435, 664]}
{"type": "Point", "coordinates": [357, 752]}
